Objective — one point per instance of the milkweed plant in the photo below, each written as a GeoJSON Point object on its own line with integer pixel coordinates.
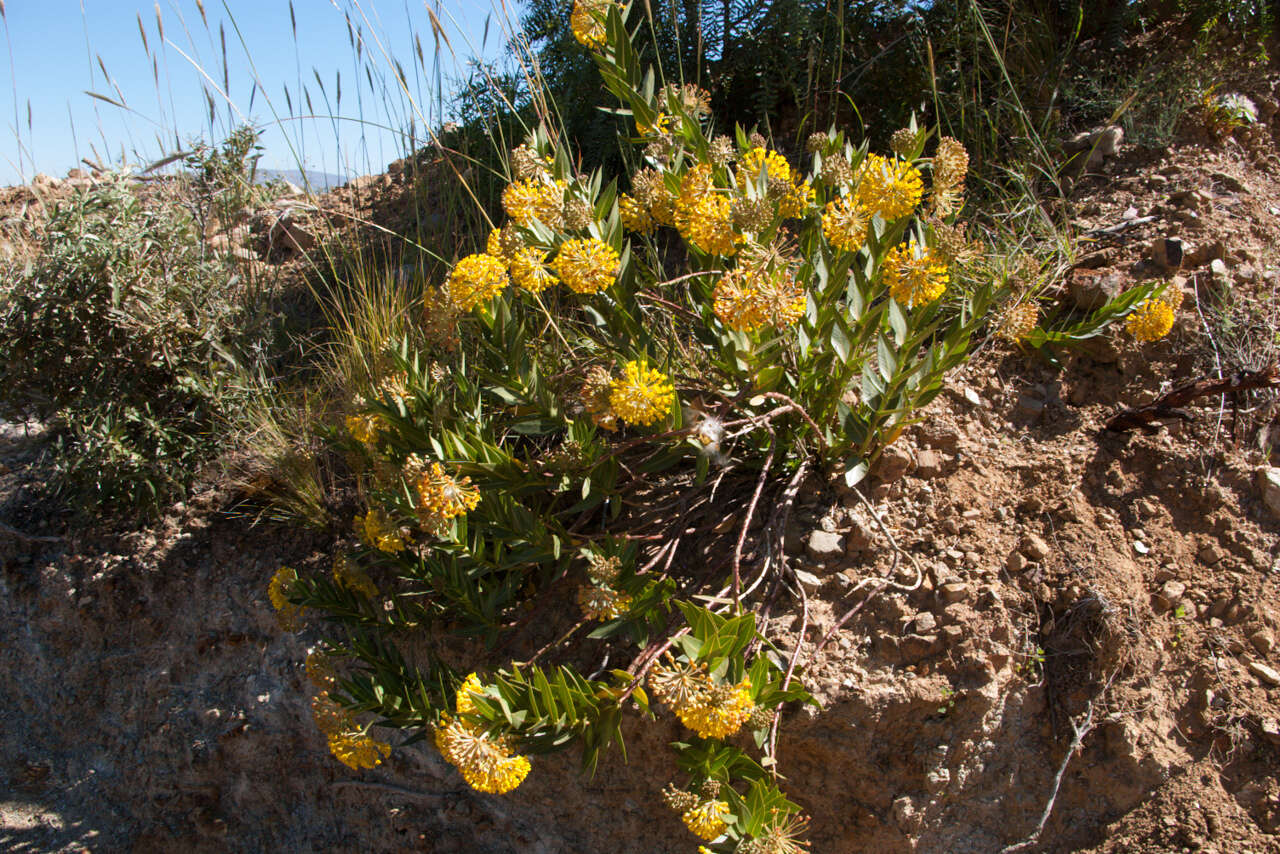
{"type": "Point", "coordinates": [731, 308]}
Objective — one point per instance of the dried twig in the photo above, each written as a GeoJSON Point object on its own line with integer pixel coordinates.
{"type": "Point", "coordinates": [1077, 739]}
{"type": "Point", "coordinates": [1168, 405]}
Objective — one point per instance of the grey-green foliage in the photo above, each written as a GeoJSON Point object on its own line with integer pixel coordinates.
{"type": "Point", "coordinates": [121, 331]}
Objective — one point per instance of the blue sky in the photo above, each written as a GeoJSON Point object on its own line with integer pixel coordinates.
{"type": "Point", "coordinates": [56, 51]}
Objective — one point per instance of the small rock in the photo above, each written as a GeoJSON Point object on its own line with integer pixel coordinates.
{"type": "Point", "coordinates": [808, 580]}
{"type": "Point", "coordinates": [1270, 730]}
{"type": "Point", "coordinates": [1269, 484]}
{"type": "Point", "coordinates": [893, 463]}
{"type": "Point", "coordinates": [1264, 672]}
{"type": "Point", "coordinates": [824, 544]}
{"type": "Point", "coordinates": [924, 623]}
{"type": "Point", "coordinates": [1262, 641]}
{"type": "Point", "coordinates": [1140, 547]}
{"type": "Point", "coordinates": [1016, 562]}
{"type": "Point", "coordinates": [1211, 554]}
{"type": "Point", "coordinates": [915, 647]}
{"type": "Point", "coordinates": [954, 591]}
{"type": "Point", "coordinates": [1205, 253]}
{"type": "Point", "coordinates": [928, 464]}
{"type": "Point", "coordinates": [1173, 590]}
{"type": "Point", "coordinates": [1034, 547]}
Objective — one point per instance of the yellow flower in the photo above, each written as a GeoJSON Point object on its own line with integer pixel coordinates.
{"type": "Point", "coordinates": [462, 702]}
{"type": "Point", "coordinates": [915, 275]}
{"type": "Point", "coordinates": [587, 265]}
{"type": "Point", "coordinates": [888, 188]}
{"type": "Point", "coordinates": [635, 216]}
{"type": "Point", "coordinates": [796, 201]}
{"type": "Point", "coordinates": [1018, 322]}
{"type": "Point", "coordinates": [752, 295]}
{"type": "Point", "coordinates": [588, 21]}
{"type": "Point", "coordinates": [534, 198]}
{"type": "Point", "coordinates": [643, 395]}
{"type": "Point", "coordinates": [487, 764]}
{"type": "Point", "coordinates": [706, 820]}
{"type": "Point", "coordinates": [377, 530]}
{"type": "Point", "coordinates": [288, 614]}
{"type": "Point", "coordinates": [493, 245]}
{"type": "Point", "coordinates": [662, 124]}
{"type": "Point", "coordinates": [529, 270]}
{"type": "Point", "coordinates": [758, 160]}
{"type": "Point", "coordinates": [441, 497]}
{"type": "Point", "coordinates": [358, 750]}
{"type": "Point", "coordinates": [475, 280]}
{"type": "Point", "coordinates": [347, 742]}
{"type": "Point", "coordinates": [1150, 321]}
{"type": "Point", "coordinates": [720, 711]}
{"type": "Point", "coordinates": [364, 429]}
{"type": "Point", "coordinates": [602, 603]}
{"type": "Point", "coordinates": [845, 224]}
{"type": "Point", "coordinates": [703, 215]}
{"type": "Point", "coordinates": [349, 575]}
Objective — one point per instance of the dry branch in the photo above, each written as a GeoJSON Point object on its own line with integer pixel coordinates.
{"type": "Point", "coordinates": [1169, 405]}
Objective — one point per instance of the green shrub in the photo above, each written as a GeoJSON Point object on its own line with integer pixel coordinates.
{"type": "Point", "coordinates": [121, 331]}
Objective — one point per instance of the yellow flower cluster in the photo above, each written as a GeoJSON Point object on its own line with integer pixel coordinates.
{"type": "Point", "coordinates": [1151, 320]}
{"type": "Point", "coordinates": [487, 764]}
{"type": "Point", "coordinates": [634, 215]}
{"type": "Point", "coordinates": [365, 429]}
{"type": "Point", "coordinates": [704, 216]}
{"type": "Point", "coordinates": [587, 265]}
{"type": "Point", "coordinates": [535, 198]}
{"type": "Point", "coordinates": [792, 194]}
{"type": "Point", "coordinates": [709, 709]}
{"type": "Point", "coordinates": [915, 275]}
{"type": "Point", "coordinates": [750, 296]}
{"type": "Point", "coordinates": [462, 702]}
{"type": "Point", "coordinates": [476, 279]}
{"type": "Point", "coordinates": [376, 530]}
{"type": "Point", "coordinates": [889, 188]}
{"type": "Point", "coordinates": [845, 223]}
{"type": "Point", "coordinates": [602, 603]}
{"type": "Point", "coordinates": [587, 21]}
{"type": "Point", "coordinates": [441, 497]}
{"type": "Point", "coordinates": [288, 614]}
{"type": "Point", "coordinates": [349, 744]}
{"type": "Point", "coordinates": [529, 270]}
{"type": "Point", "coordinates": [1018, 321]}
{"type": "Point", "coordinates": [706, 820]}
{"type": "Point", "coordinates": [643, 395]}
{"type": "Point", "coordinates": [721, 710]}
{"type": "Point", "coordinates": [348, 574]}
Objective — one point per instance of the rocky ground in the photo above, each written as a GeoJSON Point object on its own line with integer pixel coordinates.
{"type": "Point", "coordinates": [1025, 611]}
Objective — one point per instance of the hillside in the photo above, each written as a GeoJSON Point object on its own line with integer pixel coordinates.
{"type": "Point", "coordinates": [1081, 623]}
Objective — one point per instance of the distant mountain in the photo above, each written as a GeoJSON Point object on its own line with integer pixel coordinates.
{"type": "Point", "coordinates": [319, 181]}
